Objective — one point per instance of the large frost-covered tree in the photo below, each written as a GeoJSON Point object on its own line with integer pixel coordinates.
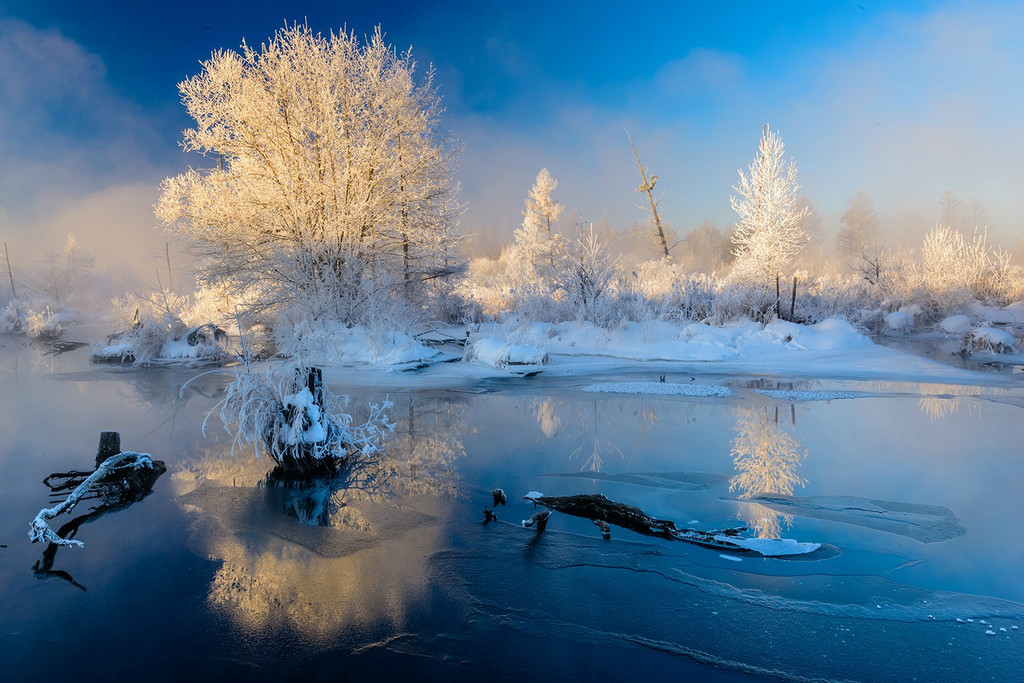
{"type": "Point", "coordinates": [769, 233]}
{"type": "Point", "coordinates": [330, 185]}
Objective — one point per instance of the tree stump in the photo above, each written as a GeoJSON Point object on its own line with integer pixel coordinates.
{"type": "Point", "coordinates": [110, 444]}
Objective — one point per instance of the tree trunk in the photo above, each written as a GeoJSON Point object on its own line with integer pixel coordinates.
{"type": "Point", "coordinates": [10, 273]}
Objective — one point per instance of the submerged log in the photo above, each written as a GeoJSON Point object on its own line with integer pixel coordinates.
{"type": "Point", "coordinates": [598, 508]}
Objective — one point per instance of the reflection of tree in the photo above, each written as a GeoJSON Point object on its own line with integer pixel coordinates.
{"type": "Point", "coordinates": [418, 458]}
{"type": "Point", "coordinates": [939, 401]}
{"type": "Point", "coordinates": [366, 568]}
{"type": "Point", "coordinates": [426, 443]}
{"type": "Point", "coordinates": [584, 419]}
{"type": "Point", "coordinates": [276, 575]}
{"type": "Point", "coordinates": [767, 460]}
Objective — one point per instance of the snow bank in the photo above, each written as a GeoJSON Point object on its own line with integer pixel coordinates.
{"type": "Point", "coordinates": [660, 341]}
{"type": "Point", "coordinates": [1008, 315]}
{"type": "Point", "coordinates": [335, 344]}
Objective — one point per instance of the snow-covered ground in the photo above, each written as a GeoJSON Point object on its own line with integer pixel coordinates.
{"type": "Point", "coordinates": [829, 350]}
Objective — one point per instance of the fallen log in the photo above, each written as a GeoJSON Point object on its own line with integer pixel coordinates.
{"type": "Point", "coordinates": [597, 507]}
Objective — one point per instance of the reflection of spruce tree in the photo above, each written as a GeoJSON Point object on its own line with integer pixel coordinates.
{"type": "Point", "coordinates": [766, 459]}
{"type": "Point", "coordinates": [585, 417]}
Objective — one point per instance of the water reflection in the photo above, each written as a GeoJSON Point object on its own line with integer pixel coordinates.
{"type": "Point", "coordinates": [586, 419]}
{"type": "Point", "coordinates": [360, 556]}
{"type": "Point", "coordinates": [767, 460]}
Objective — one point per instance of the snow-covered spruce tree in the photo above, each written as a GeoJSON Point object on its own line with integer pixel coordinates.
{"type": "Point", "coordinates": [329, 184]}
{"type": "Point", "coordinates": [542, 209]}
{"type": "Point", "coordinates": [535, 247]}
{"type": "Point", "coordinates": [769, 233]}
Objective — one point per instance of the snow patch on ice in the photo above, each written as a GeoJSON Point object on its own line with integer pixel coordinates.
{"type": "Point", "coordinates": [772, 547]}
{"type": "Point", "coordinates": [807, 395]}
{"type": "Point", "coordinates": [659, 389]}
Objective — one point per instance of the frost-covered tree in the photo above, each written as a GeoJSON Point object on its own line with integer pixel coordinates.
{"type": "Point", "coordinates": [769, 233]}
{"type": "Point", "coordinates": [586, 275]}
{"type": "Point", "coordinates": [535, 246]}
{"type": "Point", "coordinates": [858, 231]}
{"type": "Point", "coordinates": [950, 215]}
{"type": "Point", "coordinates": [708, 248]}
{"type": "Point", "coordinates": [62, 277]}
{"type": "Point", "coordinates": [542, 209]}
{"type": "Point", "coordinates": [330, 185]}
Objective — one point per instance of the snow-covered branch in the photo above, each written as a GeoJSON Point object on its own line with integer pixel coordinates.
{"type": "Point", "coordinates": [40, 528]}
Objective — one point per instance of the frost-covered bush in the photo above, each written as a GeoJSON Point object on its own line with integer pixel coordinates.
{"type": "Point", "coordinates": [298, 422]}
{"type": "Point", "coordinates": [587, 276]}
{"type": "Point", "coordinates": [43, 324]}
{"type": "Point", "coordinates": [834, 296]}
{"type": "Point", "coordinates": [989, 339]}
{"type": "Point", "coordinates": [741, 296]}
{"type": "Point", "coordinates": [162, 329]}
{"type": "Point", "coordinates": [11, 317]}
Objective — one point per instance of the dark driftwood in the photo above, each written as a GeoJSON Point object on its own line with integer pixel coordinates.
{"type": "Point", "coordinates": [597, 507]}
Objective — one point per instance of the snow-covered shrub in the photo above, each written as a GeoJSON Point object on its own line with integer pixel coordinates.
{"type": "Point", "coordinates": [990, 339]}
{"type": "Point", "coordinates": [955, 324]}
{"type": "Point", "coordinates": [834, 296]}
{"type": "Point", "coordinates": [160, 329]}
{"type": "Point", "coordinates": [900, 322]}
{"type": "Point", "coordinates": [11, 317]}
{"type": "Point", "coordinates": [697, 298]}
{"type": "Point", "coordinates": [287, 413]}
{"type": "Point", "coordinates": [659, 279]}
{"type": "Point", "coordinates": [587, 275]}
{"type": "Point", "coordinates": [742, 297]}
{"type": "Point", "coordinates": [43, 325]}
{"type": "Point", "coordinates": [499, 354]}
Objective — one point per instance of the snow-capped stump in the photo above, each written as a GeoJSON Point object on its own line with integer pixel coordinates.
{"type": "Point", "coordinates": [120, 479]}
{"type": "Point", "coordinates": [299, 423]}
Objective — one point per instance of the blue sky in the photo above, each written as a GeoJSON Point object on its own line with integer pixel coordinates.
{"type": "Point", "coordinates": [903, 100]}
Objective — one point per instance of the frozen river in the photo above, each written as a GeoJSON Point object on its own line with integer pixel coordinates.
{"type": "Point", "coordinates": [913, 489]}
